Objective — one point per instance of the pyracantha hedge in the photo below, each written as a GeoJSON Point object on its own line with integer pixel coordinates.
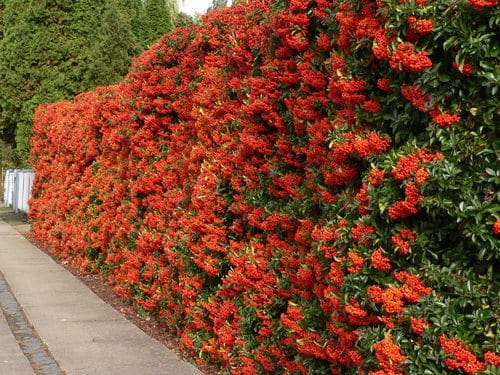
{"type": "Point", "coordinates": [295, 186]}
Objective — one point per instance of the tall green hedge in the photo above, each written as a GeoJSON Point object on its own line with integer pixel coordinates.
{"type": "Point", "coordinates": [52, 50]}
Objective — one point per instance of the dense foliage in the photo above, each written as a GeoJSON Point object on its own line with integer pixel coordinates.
{"type": "Point", "coordinates": [52, 50]}
{"type": "Point", "coordinates": [295, 186]}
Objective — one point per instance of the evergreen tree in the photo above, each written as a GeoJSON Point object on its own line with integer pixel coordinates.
{"type": "Point", "coordinates": [115, 45]}
{"type": "Point", "coordinates": [217, 4]}
{"type": "Point", "coordinates": [159, 18]}
{"type": "Point", "coordinates": [135, 11]}
{"type": "Point", "coordinates": [52, 50]}
{"type": "Point", "coordinates": [30, 49]}
{"type": "Point", "coordinates": [2, 8]}
{"type": "Point", "coordinates": [82, 23]}
{"type": "Point", "coordinates": [182, 19]}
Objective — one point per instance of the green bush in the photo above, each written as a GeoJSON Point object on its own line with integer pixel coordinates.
{"type": "Point", "coordinates": [295, 186]}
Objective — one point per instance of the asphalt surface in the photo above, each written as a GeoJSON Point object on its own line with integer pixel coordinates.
{"type": "Point", "coordinates": [51, 323]}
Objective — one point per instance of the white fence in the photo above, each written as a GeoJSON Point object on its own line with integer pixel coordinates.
{"type": "Point", "coordinates": [17, 189]}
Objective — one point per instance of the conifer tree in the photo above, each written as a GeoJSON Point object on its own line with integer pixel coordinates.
{"type": "Point", "coordinates": [31, 47]}
{"type": "Point", "coordinates": [159, 18]}
{"type": "Point", "coordinates": [182, 19]}
{"type": "Point", "coordinates": [114, 45]}
{"type": "Point", "coordinates": [52, 50]}
{"type": "Point", "coordinates": [2, 8]}
{"type": "Point", "coordinates": [135, 11]}
{"type": "Point", "coordinates": [217, 4]}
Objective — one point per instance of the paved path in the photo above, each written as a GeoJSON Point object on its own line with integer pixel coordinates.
{"type": "Point", "coordinates": [51, 323]}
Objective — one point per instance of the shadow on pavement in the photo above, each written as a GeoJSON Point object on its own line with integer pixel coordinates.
{"type": "Point", "coordinates": [18, 220]}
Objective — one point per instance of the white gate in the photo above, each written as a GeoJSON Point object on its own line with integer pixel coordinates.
{"type": "Point", "coordinates": [17, 189]}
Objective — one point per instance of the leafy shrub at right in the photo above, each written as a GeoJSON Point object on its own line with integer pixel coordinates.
{"type": "Point", "coordinates": [295, 186]}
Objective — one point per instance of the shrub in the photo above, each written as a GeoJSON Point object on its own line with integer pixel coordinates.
{"type": "Point", "coordinates": [295, 186]}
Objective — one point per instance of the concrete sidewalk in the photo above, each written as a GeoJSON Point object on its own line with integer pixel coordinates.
{"type": "Point", "coordinates": [77, 330]}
